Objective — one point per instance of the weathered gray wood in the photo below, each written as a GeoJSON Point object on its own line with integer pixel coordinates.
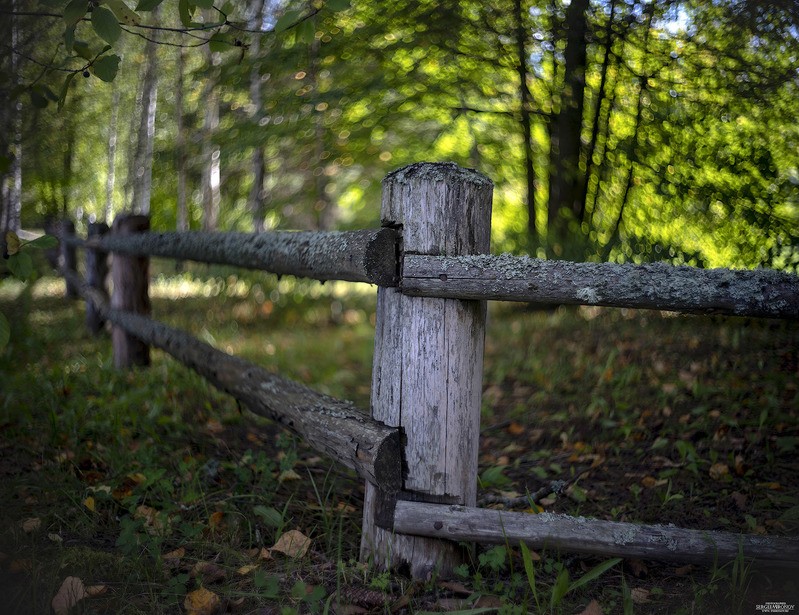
{"type": "Point", "coordinates": [67, 257]}
{"type": "Point", "coordinates": [130, 275]}
{"type": "Point", "coordinates": [357, 256]}
{"type": "Point", "coordinates": [427, 368]}
{"type": "Point", "coordinates": [609, 538]}
{"type": "Point", "coordinates": [761, 293]}
{"type": "Point", "coordinates": [332, 426]}
{"type": "Point", "coordinates": [96, 274]}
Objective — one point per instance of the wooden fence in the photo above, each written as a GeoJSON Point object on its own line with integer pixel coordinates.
{"type": "Point", "coordinates": [418, 450]}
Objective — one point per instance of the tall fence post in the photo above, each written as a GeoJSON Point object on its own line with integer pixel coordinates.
{"type": "Point", "coordinates": [428, 363]}
{"type": "Point", "coordinates": [130, 275]}
{"type": "Point", "coordinates": [67, 257]}
{"type": "Point", "coordinates": [96, 273]}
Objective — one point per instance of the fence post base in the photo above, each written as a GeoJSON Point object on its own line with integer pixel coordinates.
{"type": "Point", "coordinates": [428, 362]}
{"type": "Point", "coordinates": [96, 273]}
{"type": "Point", "coordinates": [130, 275]}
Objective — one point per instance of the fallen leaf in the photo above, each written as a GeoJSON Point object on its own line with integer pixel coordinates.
{"type": "Point", "coordinates": [216, 519]}
{"type": "Point", "coordinates": [245, 570]}
{"type": "Point", "coordinates": [592, 609]}
{"type": "Point", "coordinates": [55, 538]}
{"type": "Point", "coordinates": [214, 426]}
{"type": "Point", "coordinates": [719, 470]}
{"type": "Point", "coordinates": [683, 571]}
{"type": "Point", "coordinates": [516, 429]}
{"type": "Point", "coordinates": [96, 590]}
{"type": "Point", "coordinates": [71, 592]}
{"type": "Point", "coordinates": [265, 553]}
{"type": "Point", "coordinates": [638, 568]}
{"type": "Point", "coordinates": [455, 587]}
{"type": "Point", "coordinates": [286, 475]}
{"type": "Point", "coordinates": [31, 525]}
{"type": "Point", "coordinates": [210, 572]}
{"type": "Point", "coordinates": [201, 602]}
{"type": "Point", "coordinates": [649, 481]}
{"type": "Point", "coordinates": [175, 555]}
{"type": "Point", "coordinates": [89, 503]}
{"type": "Point", "coordinates": [639, 595]}
{"type": "Point", "coordinates": [739, 499]}
{"type": "Point", "coordinates": [773, 486]}
{"type": "Point", "coordinates": [293, 543]}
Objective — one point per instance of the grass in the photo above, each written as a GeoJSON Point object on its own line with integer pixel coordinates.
{"type": "Point", "coordinates": [151, 485]}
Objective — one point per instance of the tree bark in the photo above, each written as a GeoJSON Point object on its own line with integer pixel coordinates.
{"type": "Point", "coordinates": [565, 143]}
{"type": "Point", "coordinates": [604, 538]}
{"type": "Point", "coordinates": [525, 119]}
{"type": "Point", "coordinates": [143, 165]}
{"type": "Point", "coordinates": [256, 200]}
{"type": "Point", "coordinates": [96, 274]}
{"type": "Point", "coordinates": [182, 214]}
{"type": "Point", "coordinates": [211, 196]}
{"type": "Point", "coordinates": [760, 293]}
{"type": "Point", "coordinates": [110, 177]}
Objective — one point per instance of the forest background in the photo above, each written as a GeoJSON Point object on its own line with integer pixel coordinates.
{"type": "Point", "coordinates": [613, 130]}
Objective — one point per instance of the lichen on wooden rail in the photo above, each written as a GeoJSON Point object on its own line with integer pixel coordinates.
{"type": "Point", "coordinates": [594, 536]}
{"type": "Point", "coordinates": [356, 256]}
{"type": "Point", "coordinates": [331, 426]}
{"type": "Point", "coordinates": [759, 293]}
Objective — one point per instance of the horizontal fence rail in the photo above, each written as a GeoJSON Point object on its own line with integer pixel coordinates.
{"type": "Point", "coordinates": [333, 427]}
{"type": "Point", "coordinates": [581, 535]}
{"type": "Point", "coordinates": [758, 293]}
{"type": "Point", "coordinates": [355, 256]}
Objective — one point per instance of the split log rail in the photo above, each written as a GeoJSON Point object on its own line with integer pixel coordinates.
{"type": "Point", "coordinates": [417, 450]}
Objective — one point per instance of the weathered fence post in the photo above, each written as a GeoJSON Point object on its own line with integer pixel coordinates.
{"type": "Point", "coordinates": [96, 273]}
{"type": "Point", "coordinates": [131, 293]}
{"type": "Point", "coordinates": [68, 259]}
{"type": "Point", "coordinates": [428, 362]}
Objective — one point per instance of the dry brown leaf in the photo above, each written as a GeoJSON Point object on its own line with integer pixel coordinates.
{"type": "Point", "coordinates": [214, 426]}
{"type": "Point", "coordinates": [31, 524]}
{"type": "Point", "coordinates": [245, 570]}
{"type": "Point", "coordinates": [209, 572]}
{"type": "Point", "coordinates": [175, 555]}
{"type": "Point", "coordinates": [649, 481]}
{"type": "Point", "coordinates": [201, 602]}
{"type": "Point", "coordinates": [293, 543]}
{"type": "Point", "coordinates": [739, 499]}
{"type": "Point", "coordinates": [719, 470]}
{"type": "Point", "coordinates": [96, 590]}
{"type": "Point", "coordinates": [640, 595]}
{"type": "Point", "coordinates": [638, 568]}
{"type": "Point", "coordinates": [516, 429]}
{"type": "Point", "coordinates": [488, 602]}
{"type": "Point", "coordinates": [592, 609]}
{"type": "Point", "coordinates": [456, 587]}
{"type": "Point", "coordinates": [287, 475]}
{"type": "Point", "coordinates": [69, 594]}
{"type": "Point", "coordinates": [265, 553]}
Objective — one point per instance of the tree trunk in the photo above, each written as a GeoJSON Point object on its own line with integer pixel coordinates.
{"type": "Point", "coordinates": [600, 96]}
{"type": "Point", "coordinates": [112, 155]}
{"type": "Point", "coordinates": [182, 215]}
{"type": "Point", "coordinates": [143, 166]}
{"type": "Point", "coordinates": [565, 144]}
{"type": "Point", "coordinates": [211, 153]}
{"type": "Point", "coordinates": [256, 199]}
{"type": "Point", "coordinates": [526, 102]}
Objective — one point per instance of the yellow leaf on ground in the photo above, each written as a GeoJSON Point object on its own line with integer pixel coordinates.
{"type": "Point", "coordinates": [293, 543]}
{"type": "Point", "coordinates": [89, 503]}
{"type": "Point", "coordinates": [592, 609]}
{"type": "Point", "coordinates": [639, 595]}
{"type": "Point", "coordinates": [71, 592]}
{"type": "Point", "coordinates": [174, 555]}
{"type": "Point", "coordinates": [31, 525]}
{"type": "Point", "coordinates": [264, 553]}
{"type": "Point", "coordinates": [245, 570]}
{"type": "Point", "coordinates": [288, 475]}
{"type": "Point", "coordinates": [719, 471]}
{"type": "Point", "coordinates": [201, 602]}
{"type": "Point", "coordinates": [96, 590]}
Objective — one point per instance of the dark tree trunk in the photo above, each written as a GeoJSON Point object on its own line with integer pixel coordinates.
{"type": "Point", "coordinates": [565, 144]}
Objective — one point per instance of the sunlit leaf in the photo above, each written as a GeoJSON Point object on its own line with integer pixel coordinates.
{"type": "Point", "coordinates": [219, 42]}
{"type": "Point", "coordinates": [20, 265]}
{"type": "Point", "coordinates": [185, 11]}
{"type": "Point", "coordinates": [12, 243]}
{"type": "Point", "coordinates": [106, 68]}
{"type": "Point", "coordinates": [148, 5]}
{"type": "Point", "coordinates": [123, 13]}
{"type": "Point", "coordinates": [106, 25]}
{"type": "Point", "coordinates": [43, 242]}
{"type": "Point", "coordinates": [306, 31]}
{"type": "Point", "coordinates": [287, 20]}
{"type": "Point", "coordinates": [74, 11]}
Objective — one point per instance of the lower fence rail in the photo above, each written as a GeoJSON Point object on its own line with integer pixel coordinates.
{"type": "Point", "coordinates": [333, 427]}
{"type": "Point", "coordinates": [594, 536]}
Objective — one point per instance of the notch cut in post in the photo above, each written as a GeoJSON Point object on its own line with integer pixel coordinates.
{"type": "Point", "coordinates": [428, 361]}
